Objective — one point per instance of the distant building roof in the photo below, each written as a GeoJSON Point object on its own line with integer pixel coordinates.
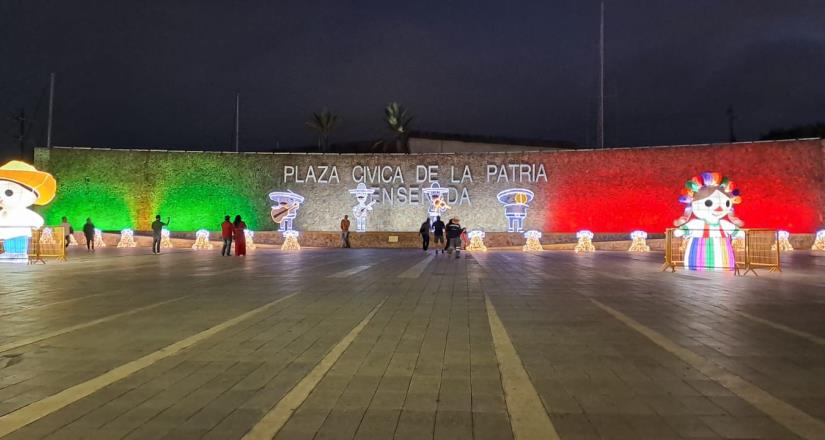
{"type": "Point", "coordinates": [498, 140]}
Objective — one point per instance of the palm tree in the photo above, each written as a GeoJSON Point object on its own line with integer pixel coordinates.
{"type": "Point", "coordinates": [323, 122]}
{"type": "Point", "coordinates": [398, 121]}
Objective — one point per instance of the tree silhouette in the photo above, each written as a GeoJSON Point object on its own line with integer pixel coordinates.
{"type": "Point", "coordinates": [323, 123]}
{"type": "Point", "coordinates": [398, 121]}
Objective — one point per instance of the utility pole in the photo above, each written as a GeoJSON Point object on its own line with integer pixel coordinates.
{"type": "Point", "coordinates": [51, 111]}
{"type": "Point", "coordinates": [731, 117]}
{"type": "Point", "coordinates": [21, 133]}
{"type": "Point", "coordinates": [237, 119]}
{"type": "Point", "coordinates": [600, 128]}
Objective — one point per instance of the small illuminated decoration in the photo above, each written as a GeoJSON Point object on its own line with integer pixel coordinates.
{"type": "Point", "coordinates": [819, 243]}
{"type": "Point", "coordinates": [285, 208]}
{"type": "Point", "coordinates": [708, 222]}
{"type": "Point", "coordinates": [165, 241]}
{"type": "Point", "coordinates": [249, 237]}
{"type": "Point", "coordinates": [639, 243]}
{"type": "Point", "coordinates": [515, 201]}
{"type": "Point", "coordinates": [47, 236]}
{"type": "Point", "coordinates": [782, 241]}
{"type": "Point", "coordinates": [21, 186]}
{"type": "Point", "coordinates": [533, 241]}
{"type": "Point", "coordinates": [127, 239]}
{"type": "Point", "coordinates": [290, 241]}
{"type": "Point", "coordinates": [99, 243]}
{"type": "Point", "coordinates": [438, 200]}
{"type": "Point", "coordinates": [202, 240]}
{"type": "Point", "coordinates": [476, 241]}
{"type": "Point", "coordinates": [72, 240]}
{"type": "Point", "coordinates": [362, 209]}
{"type": "Point", "coordinates": [585, 243]}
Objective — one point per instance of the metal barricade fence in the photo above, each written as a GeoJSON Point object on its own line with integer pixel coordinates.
{"type": "Point", "coordinates": [32, 245]}
{"type": "Point", "coordinates": [752, 252]}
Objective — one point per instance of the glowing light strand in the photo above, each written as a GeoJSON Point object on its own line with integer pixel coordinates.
{"type": "Point", "coordinates": [165, 240]}
{"type": "Point", "coordinates": [291, 241]}
{"type": "Point", "coordinates": [782, 241]}
{"type": "Point", "coordinates": [476, 241]}
{"type": "Point", "coordinates": [819, 242]}
{"type": "Point", "coordinates": [533, 241]}
{"type": "Point", "coordinates": [127, 239]}
{"type": "Point", "coordinates": [585, 242]}
{"type": "Point", "coordinates": [639, 243]}
{"type": "Point", "coordinates": [249, 237]}
{"type": "Point", "coordinates": [202, 240]}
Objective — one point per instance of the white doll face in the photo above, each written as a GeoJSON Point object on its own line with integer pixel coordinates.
{"type": "Point", "coordinates": [712, 208]}
{"type": "Point", "coordinates": [15, 196]}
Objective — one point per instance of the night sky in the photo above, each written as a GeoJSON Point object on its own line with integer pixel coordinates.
{"type": "Point", "coordinates": [163, 73]}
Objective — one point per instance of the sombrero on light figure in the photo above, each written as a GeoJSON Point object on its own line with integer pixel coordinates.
{"type": "Point", "coordinates": [40, 182]}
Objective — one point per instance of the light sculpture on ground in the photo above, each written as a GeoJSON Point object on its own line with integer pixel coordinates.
{"type": "Point", "coordinates": [285, 208]}
{"type": "Point", "coordinates": [249, 237]}
{"type": "Point", "coordinates": [533, 241]}
{"type": "Point", "coordinates": [72, 240]}
{"type": "Point", "coordinates": [819, 242]}
{"type": "Point", "coordinates": [516, 201]}
{"type": "Point", "coordinates": [639, 243]}
{"type": "Point", "coordinates": [47, 236]}
{"type": "Point", "coordinates": [165, 241]}
{"type": "Point", "coordinates": [476, 241]}
{"type": "Point", "coordinates": [585, 242]}
{"type": "Point", "coordinates": [21, 186]}
{"type": "Point", "coordinates": [362, 209]}
{"type": "Point", "coordinates": [782, 241]}
{"type": "Point", "coordinates": [708, 222]}
{"type": "Point", "coordinates": [99, 243]}
{"type": "Point", "coordinates": [290, 241]}
{"type": "Point", "coordinates": [202, 240]}
{"type": "Point", "coordinates": [437, 197]}
{"type": "Point", "coordinates": [127, 239]}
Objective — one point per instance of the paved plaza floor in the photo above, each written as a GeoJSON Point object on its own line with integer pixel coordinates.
{"type": "Point", "coordinates": [383, 344]}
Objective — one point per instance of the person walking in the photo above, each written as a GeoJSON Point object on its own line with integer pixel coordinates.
{"type": "Point", "coordinates": [89, 233]}
{"type": "Point", "coordinates": [345, 232]}
{"type": "Point", "coordinates": [157, 228]}
{"type": "Point", "coordinates": [438, 232]}
{"type": "Point", "coordinates": [238, 227]}
{"type": "Point", "coordinates": [454, 231]}
{"type": "Point", "coordinates": [67, 231]}
{"type": "Point", "coordinates": [425, 234]}
{"type": "Point", "coordinates": [227, 230]}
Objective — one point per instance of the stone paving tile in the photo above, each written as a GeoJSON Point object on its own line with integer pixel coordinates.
{"type": "Point", "coordinates": [425, 366]}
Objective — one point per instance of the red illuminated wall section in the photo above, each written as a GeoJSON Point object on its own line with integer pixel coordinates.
{"type": "Point", "coordinates": [626, 189]}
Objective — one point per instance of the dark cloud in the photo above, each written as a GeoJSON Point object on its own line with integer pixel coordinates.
{"type": "Point", "coordinates": [163, 73]}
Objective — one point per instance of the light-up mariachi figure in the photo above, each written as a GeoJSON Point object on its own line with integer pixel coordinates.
{"type": "Point", "coordinates": [285, 208]}
{"type": "Point", "coordinates": [362, 210]}
{"type": "Point", "coordinates": [515, 201]}
{"type": "Point", "coordinates": [438, 200]}
{"type": "Point", "coordinates": [21, 185]}
{"type": "Point", "coordinates": [708, 222]}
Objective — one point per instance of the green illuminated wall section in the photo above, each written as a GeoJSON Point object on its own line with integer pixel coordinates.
{"type": "Point", "coordinates": [119, 189]}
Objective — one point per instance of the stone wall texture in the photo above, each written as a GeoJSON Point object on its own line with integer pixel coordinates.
{"type": "Point", "coordinates": [606, 191]}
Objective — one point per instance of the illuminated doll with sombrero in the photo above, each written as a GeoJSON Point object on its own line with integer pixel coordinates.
{"type": "Point", "coordinates": [21, 186]}
{"type": "Point", "coordinates": [708, 222]}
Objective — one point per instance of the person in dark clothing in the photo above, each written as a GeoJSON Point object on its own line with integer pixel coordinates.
{"type": "Point", "coordinates": [425, 234]}
{"type": "Point", "coordinates": [454, 231]}
{"type": "Point", "coordinates": [157, 227]}
{"type": "Point", "coordinates": [227, 229]}
{"type": "Point", "coordinates": [89, 233]}
{"type": "Point", "coordinates": [438, 232]}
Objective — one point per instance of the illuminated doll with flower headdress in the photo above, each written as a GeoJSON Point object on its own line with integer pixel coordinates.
{"type": "Point", "coordinates": [708, 222]}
